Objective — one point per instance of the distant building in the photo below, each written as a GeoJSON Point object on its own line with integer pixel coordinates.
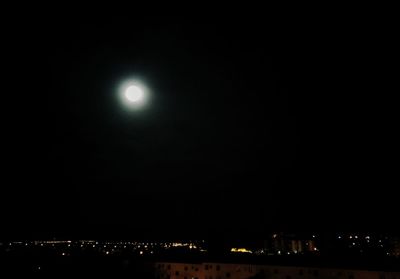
{"type": "Point", "coordinates": [284, 243]}
{"type": "Point", "coordinates": [170, 270]}
{"type": "Point", "coordinates": [395, 246]}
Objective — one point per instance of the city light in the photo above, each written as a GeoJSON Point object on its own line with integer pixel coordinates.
{"type": "Point", "coordinates": [240, 250]}
{"type": "Point", "coordinates": [286, 246]}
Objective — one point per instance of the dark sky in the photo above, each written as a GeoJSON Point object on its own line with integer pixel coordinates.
{"type": "Point", "coordinates": [253, 126]}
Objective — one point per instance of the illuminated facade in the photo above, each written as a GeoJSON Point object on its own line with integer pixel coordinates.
{"type": "Point", "coordinates": [169, 270]}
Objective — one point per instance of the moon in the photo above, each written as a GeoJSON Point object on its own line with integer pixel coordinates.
{"type": "Point", "coordinates": [134, 94]}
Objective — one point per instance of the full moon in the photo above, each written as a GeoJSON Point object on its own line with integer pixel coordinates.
{"type": "Point", "coordinates": [134, 94]}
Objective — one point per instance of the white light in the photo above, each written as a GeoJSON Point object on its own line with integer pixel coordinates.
{"type": "Point", "coordinates": [133, 94]}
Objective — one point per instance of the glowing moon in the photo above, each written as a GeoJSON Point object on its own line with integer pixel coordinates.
{"type": "Point", "coordinates": [134, 94]}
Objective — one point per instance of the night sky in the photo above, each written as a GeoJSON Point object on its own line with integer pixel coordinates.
{"type": "Point", "coordinates": [252, 127]}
